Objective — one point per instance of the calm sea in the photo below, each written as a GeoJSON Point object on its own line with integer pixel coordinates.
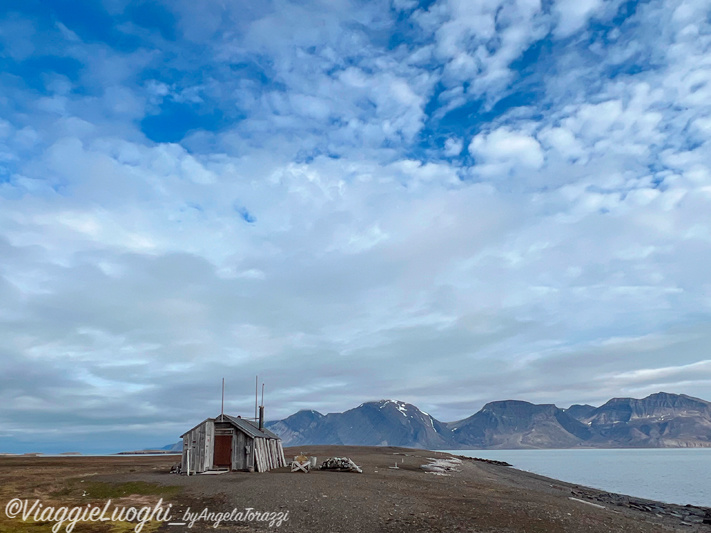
{"type": "Point", "coordinates": [669, 475]}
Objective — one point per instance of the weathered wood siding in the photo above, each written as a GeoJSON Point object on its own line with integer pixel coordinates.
{"type": "Point", "coordinates": [280, 454]}
{"type": "Point", "coordinates": [259, 454]}
{"type": "Point", "coordinates": [269, 454]}
{"type": "Point", "coordinates": [199, 441]}
{"type": "Point", "coordinates": [241, 457]}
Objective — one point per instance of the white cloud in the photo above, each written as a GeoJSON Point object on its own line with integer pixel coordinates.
{"type": "Point", "coordinates": [572, 16]}
{"type": "Point", "coordinates": [453, 147]}
{"type": "Point", "coordinates": [502, 150]}
{"type": "Point", "coordinates": [333, 216]}
{"type": "Point", "coordinates": [563, 141]}
{"type": "Point", "coordinates": [477, 42]}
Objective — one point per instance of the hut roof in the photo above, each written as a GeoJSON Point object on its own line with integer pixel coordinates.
{"type": "Point", "coordinates": [195, 427]}
{"type": "Point", "coordinates": [247, 426]}
{"type": "Point", "coordinates": [250, 428]}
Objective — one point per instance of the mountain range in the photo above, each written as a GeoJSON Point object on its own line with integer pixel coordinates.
{"type": "Point", "coordinates": [657, 421]}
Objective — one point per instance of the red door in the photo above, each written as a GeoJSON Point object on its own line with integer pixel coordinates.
{"type": "Point", "coordinates": [223, 451]}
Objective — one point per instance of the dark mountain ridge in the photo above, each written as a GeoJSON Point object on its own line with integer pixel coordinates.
{"type": "Point", "coordinates": [659, 420]}
{"type": "Point", "coordinates": [518, 424]}
{"type": "Point", "coordinates": [386, 423]}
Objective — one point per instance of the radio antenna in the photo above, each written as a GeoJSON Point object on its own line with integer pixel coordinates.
{"type": "Point", "coordinates": [222, 409]}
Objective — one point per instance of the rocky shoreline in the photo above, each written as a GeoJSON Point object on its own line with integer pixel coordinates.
{"type": "Point", "coordinates": [487, 461]}
{"type": "Point", "coordinates": [689, 514]}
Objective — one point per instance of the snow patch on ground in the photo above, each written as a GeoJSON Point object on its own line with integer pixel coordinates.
{"type": "Point", "coordinates": [442, 467]}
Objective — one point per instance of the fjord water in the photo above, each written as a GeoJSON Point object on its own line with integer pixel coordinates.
{"type": "Point", "coordinates": [672, 475]}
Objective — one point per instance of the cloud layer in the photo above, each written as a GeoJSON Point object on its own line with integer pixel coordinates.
{"type": "Point", "coordinates": [444, 204]}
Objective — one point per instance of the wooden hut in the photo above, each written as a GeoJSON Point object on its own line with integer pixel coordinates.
{"type": "Point", "coordinates": [233, 443]}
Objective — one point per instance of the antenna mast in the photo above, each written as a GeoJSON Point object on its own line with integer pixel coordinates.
{"type": "Point", "coordinates": [222, 409]}
{"type": "Point", "coordinates": [256, 397]}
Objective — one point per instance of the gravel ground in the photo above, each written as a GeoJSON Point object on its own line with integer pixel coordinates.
{"type": "Point", "coordinates": [479, 497]}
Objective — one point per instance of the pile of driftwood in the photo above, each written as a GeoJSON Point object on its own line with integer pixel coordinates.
{"type": "Point", "coordinates": [341, 464]}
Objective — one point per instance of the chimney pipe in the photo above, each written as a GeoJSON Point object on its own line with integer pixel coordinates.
{"type": "Point", "coordinates": [261, 417]}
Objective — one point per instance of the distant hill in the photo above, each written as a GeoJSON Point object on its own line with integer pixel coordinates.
{"type": "Point", "coordinates": [516, 424]}
{"type": "Point", "coordinates": [580, 411]}
{"type": "Point", "coordinates": [302, 426]}
{"type": "Point", "coordinates": [659, 420]}
{"type": "Point", "coordinates": [177, 447]}
{"type": "Point", "coordinates": [383, 423]}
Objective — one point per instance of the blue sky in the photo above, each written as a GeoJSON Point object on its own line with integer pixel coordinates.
{"type": "Point", "coordinates": [445, 203]}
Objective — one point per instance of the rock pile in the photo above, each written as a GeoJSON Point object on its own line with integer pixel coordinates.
{"type": "Point", "coordinates": [341, 464]}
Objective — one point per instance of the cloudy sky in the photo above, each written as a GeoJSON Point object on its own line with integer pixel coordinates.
{"type": "Point", "coordinates": [445, 203]}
